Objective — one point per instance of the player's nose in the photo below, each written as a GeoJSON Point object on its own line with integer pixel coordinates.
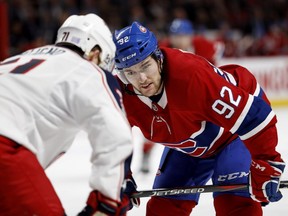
{"type": "Point", "coordinates": [142, 77]}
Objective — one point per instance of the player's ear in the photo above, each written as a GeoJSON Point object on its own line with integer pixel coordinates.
{"type": "Point", "coordinates": [94, 56]}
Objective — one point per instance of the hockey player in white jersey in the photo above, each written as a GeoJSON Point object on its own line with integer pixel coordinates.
{"type": "Point", "coordinates": [49, 94]}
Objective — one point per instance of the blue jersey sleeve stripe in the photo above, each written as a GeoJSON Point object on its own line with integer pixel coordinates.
{"type": "Point", "coordinates": [243, 114]}
{"type": "Point", "coordinates": [257, 114]}
{"type": "Point", "coordinates": [203, 125]}
{"type": "Point", "coordinates": [207, 136]}
{"type": "Point", "coordinates": [221, 130]}
{"type": "Point", "coordinates": [259, 127]}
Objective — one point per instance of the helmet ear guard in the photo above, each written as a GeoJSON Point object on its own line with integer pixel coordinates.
{"type": "Point", "coordinates": [158, 53]}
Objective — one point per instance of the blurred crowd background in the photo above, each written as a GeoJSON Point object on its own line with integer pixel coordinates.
{"type": "Point", "coordinates": [246, 27]}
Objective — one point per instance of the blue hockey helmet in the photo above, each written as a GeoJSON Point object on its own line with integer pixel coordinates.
{"type": "Point", "coordinates": [181, 27]}
{"type": "Point", "coordinates": [133, 44]}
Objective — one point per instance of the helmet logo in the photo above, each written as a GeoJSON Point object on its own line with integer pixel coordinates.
{"type": "Point", "coordinates": [75, 40]}
{"type": "Point", "coordinates": [129, 57]}
{"type": "Point", "coordinates": [142, 29]}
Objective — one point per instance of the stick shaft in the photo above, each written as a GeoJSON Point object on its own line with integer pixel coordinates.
{"type": "Point", "coordinates": [195, 189]}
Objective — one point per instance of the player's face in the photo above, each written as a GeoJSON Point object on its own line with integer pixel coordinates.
{"type": "Point", "coordinates": [145, 76]}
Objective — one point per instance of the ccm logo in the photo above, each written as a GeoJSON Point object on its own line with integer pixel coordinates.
{"type": "Point", "coordinates": [129, 57]}
{"type": "Point", "coordinates": [232, 176]}
{"type": "Point", "coordinates": [257, 166]}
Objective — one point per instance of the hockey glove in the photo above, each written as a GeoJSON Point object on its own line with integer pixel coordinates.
{"type": "Point", "coordinates": [129, 190]}
{"type": "Point", "coordinates": [98, 204]}
{"type": "Point", "coordinates": [264, 180]}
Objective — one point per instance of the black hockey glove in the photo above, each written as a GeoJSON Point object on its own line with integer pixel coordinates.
{"type": "Point", "coordinates": [129, 190]}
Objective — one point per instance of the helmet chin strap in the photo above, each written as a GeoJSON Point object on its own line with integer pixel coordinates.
{"type": "Point", "coordinates": [128, 91]}
{"type": "Point", "coordinates": [159, 90]}
{"type": "Point", "coordinates": [161, 86]}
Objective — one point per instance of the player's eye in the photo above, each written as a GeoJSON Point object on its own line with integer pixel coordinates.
{"type": "Point", "coordinates": [145, 67]}
{"type": "Point", "coordinates": [130, 73]}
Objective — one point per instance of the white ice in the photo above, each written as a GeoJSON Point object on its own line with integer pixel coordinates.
{"type": "Point", "coordinates": [70, 175]}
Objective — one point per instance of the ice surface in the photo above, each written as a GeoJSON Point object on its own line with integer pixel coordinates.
{"type": "Point", "coordinates": [70, 175]}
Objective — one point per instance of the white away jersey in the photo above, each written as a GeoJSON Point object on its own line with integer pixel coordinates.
{"type": "Point", "coordinates": [49, 94]}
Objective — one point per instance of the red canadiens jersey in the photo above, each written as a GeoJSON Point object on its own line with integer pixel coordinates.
{"type": "Point", "coordinates": [203, 108]}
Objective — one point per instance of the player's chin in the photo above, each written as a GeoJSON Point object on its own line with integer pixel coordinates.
{"type": "Point", "coordinates": [148, 92]}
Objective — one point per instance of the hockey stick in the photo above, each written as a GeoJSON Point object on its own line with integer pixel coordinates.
{"type": "Point", "coordinates": [195, 189]}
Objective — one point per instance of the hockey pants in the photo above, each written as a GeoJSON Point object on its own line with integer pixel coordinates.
{"type": "Point", "coordinates": [25, 188]}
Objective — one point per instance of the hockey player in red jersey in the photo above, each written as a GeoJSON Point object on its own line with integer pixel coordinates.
{"type": "Point", "coordinates": [215, 123]}
{"type": "Point", "coordinates": [49, 94]}
{"type": "Point", "coordinates": [181, 36]}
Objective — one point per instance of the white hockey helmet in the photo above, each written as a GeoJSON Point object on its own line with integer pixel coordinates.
{"type": "Point", "coordinates": [87, 31]}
